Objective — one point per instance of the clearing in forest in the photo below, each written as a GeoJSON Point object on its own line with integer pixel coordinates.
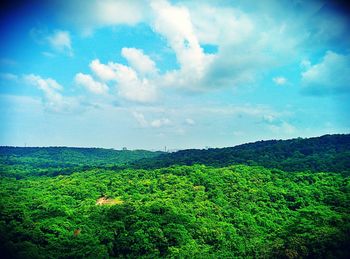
{"type": "Point", "coordinates": [109, 201]}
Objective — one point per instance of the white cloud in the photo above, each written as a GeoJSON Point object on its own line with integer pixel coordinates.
{"type": "Point", "coordinates": [174, 23]}
{"type": "Point", "coordinates": [140, 118]}
{"type": "Point", "coordinates": [190, 122]}
{"type": "Point", "coordinates": [157, 123]}
{"type": "Point", "coordinates": [53, 99]}
{"type": "Point", "coordinates": [269, 118]}
{"type": "Point", "coordinates": [220, 25]}
{"type": "Point", "coordinates": [61, 42]}
{"type": "Point", "coordinates": [89, 15]}
{"type": "Point", "coordinates": [283, 128]}
{"type": "Point", "coordinates": [90, 84]}
{"type": "Point", "coordinates": [256, 111]}
{"type": "Point", "coordinates": [277, 124]}
{"type": "Point", "coordinates": [251, 39]}
{"type": "Point", "coordinates": [142, 63]}
{"type": "Point", "coordinates": [128, 83]}
{"type": "Point", "coordinates": [132, 87]}
{"type": "Point", "coordinates": [46, 85]}
{"type": "Point", "coordinates": [134, 82]}
{"type": "Point", "coordinates": [244, 44]}
{"type": "Point", "coordinates": [104, 72]}
{"type": "Point", "coordinates": [330, 75]}
{"type": "Point", "coordinates": [160, 123]}
{"type": "Point", "coordinates": [111, 12]}
{"type": "Point", "coordinates": [280, 80]}
{"type": "Point", "coordinates": [244, 48]}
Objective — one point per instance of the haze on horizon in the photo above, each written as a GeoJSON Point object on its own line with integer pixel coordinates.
{"type": "Point", "coordinates": [180, 74]}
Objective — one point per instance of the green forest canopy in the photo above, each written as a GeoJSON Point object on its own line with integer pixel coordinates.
{"type": "Point", "coordinates": [98, 205]}
{"type": "Point", "coordinates": [326, 153]}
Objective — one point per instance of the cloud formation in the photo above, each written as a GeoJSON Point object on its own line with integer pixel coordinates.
{"type": "Point", "coordinates": [156, 123]}
{"type": "Point", "coordinates": [53, 99]}
{"type": "Point", "coordinates": [140, 118]}
{"type": "Point", "coordinates": [174, 23]}
{"type": "Point", "coordinates": [190, 122]}
{"type": "Point", "coordinates": [330, 75]}
{"type": "Point", "coordinates": [132, 87]}
{"type": "Point", "coordinates": [94, 14]}
{"type": "Point", "coordinates": [277, 124]}
{"type": "Point", "coordinates": [279, 80]}
{"type": "Point", "coordinates": [90, 84]}
{"type": "Point", "coordinates": [248, 44]}
{"type": "Point", "coordinates": [201, 69]}
{"type": "Point", "coordinates": [132, 83]}
{"type": "Point", "coordinates": [140, 62]}
{"type": "Point", "coordinates": [61, 42]}
{"type": "Point", "coordinates": [102, 71]}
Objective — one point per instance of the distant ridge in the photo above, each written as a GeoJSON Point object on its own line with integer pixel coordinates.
{"type": "Point", "coordinates": [63, 156]}
{"type": "Point", "coordinates": [325, 153]}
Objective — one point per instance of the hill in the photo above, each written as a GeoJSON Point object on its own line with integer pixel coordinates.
{"type": "Point", "coordinates": [179, 212]}
{"type": "Point", "coordinates": [325, 153]}
{"type": "Point", "coordinates": [51, 161]}
{"type": "Point", "coordinates": [62, 202]}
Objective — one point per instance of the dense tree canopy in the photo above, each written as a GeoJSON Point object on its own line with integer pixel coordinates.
{"type": "Point", "coordinates": [56, 203]}
{"type": "Point", "coordinates": [326, 153]}
{"type": "Point", "coordinates": [51, 161]}
{"type": "Point", "coordinates": [71, 156]}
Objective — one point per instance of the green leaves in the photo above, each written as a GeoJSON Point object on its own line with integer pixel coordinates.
{"type": "Point", "coordinates": [180, 211]}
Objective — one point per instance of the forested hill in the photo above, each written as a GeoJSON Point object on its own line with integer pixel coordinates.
{"type": "Point", "coordinates": [91, 203]}
{"type": "Point", "coordinates": [325, 153]}
{"type": "Point", "coordinates": [72, 155]}
{"type": "Point", "coordinates": [20, 162]}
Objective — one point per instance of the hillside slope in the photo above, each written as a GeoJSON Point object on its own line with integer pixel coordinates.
{"type": "Point", "coordinates": [82, 203]}
{"type": "Point", "coordinates": [50, 161]}
{"type": "Point", "coordinates": [178, 212]}
{"type": "Point", "coordinates": [73, 155]}
{"type": "Point", "coordinates": [325, 153]}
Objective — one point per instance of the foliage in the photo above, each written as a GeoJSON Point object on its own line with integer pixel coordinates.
{"type": "Point", "coordinates": [73, 156]}
{"type": "Point", "coordinates": [81, 203]}
{"type": "Point", "coordinates": [180, 211]}
{"type": "Point", "coordinates": [51, 161]}
{"type": "Point", "coordinates": [326, 153]}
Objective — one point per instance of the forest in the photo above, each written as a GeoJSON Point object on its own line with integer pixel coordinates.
{"type": "Point", "coordinates": [268, 199]}
{"type": "Point", "coordinates": [326, 153]}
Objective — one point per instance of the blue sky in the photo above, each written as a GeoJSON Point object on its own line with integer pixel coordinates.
{"type": "Point", "coordinates": [181, 74]}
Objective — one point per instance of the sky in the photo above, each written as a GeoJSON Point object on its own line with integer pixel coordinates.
{"type": "Point", "coordinates": [175, 74]}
